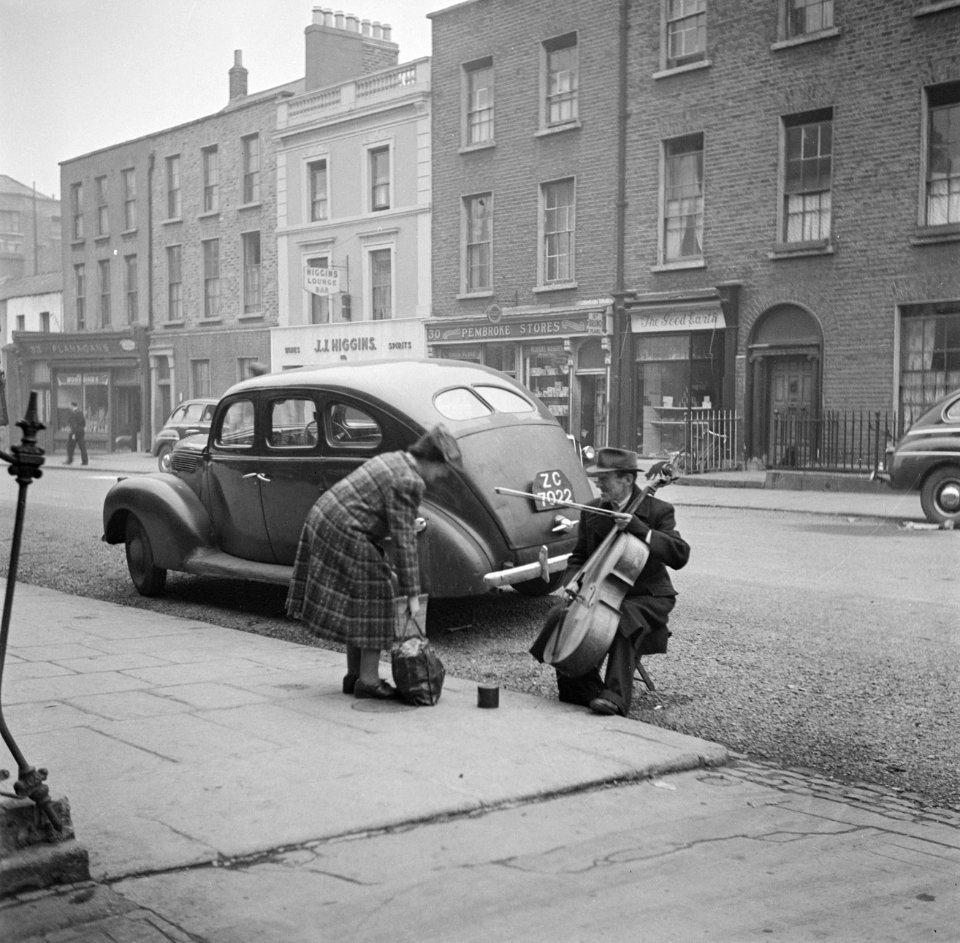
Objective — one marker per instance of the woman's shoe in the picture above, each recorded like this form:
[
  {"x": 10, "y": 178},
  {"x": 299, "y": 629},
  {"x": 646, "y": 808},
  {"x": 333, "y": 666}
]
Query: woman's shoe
[
  {"x": 349, "y": 683},
  {"x": 381, "y": 691}
]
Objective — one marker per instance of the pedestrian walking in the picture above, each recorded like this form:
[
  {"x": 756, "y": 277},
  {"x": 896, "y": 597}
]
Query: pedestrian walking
[
  {"x": 647, "y": 604},
  {"x": 77, "y": 437},
  {"x": 343, "y": 587}
]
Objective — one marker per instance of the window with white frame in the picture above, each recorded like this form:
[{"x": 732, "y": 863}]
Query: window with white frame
[
  {"x": 319, "y": 190},
  {"x": 252, "y": 300},
  {"x": 103, "y": 267},
  {"x": 943, "y": 155},
  {"x": 381, "y": 284},
  {"x": 130, "y": 287},
  {"x": 211, "y": 278},
  {"x": 561, "y": 70},
  {"x": 320, "y": 307},
  {"x": 103, "y": 209},
  {"x": 250, "y": 155},
  {"x": 807, "y": 173},
  {"x": 478, "y": 95},
  {"x": 478, "y": 242},
  {"x": 174, "y": 283},
  {"x": 557, "y": 227},
  {"x": 804, "y": 17},
  {"x": 128, "y": 184},
  {"x": 379, "y": 168},
  {"x": 76, "y": 209},
  {"x": 685, "y": 32},
  {"x": 174, "y": 204},
  {"x": 80, "y": 290},
  {"x": 682, "y": 222},
  {"x": 210, "y": 168}
]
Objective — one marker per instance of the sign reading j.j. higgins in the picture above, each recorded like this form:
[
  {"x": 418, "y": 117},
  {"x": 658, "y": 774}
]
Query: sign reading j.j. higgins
[{"x": 309, "y": 344}]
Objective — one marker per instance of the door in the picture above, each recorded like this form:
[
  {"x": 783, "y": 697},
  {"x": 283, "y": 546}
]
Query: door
[
  {"x": 790, "y": 410},
  {"x": 593, "y": 410}
]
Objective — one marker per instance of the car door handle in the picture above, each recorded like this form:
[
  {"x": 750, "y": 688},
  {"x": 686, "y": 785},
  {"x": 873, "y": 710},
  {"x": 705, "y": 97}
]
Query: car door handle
[{"x": 258, "y": 475}]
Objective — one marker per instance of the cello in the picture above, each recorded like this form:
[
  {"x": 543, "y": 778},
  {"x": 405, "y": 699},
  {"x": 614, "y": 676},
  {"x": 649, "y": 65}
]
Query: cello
[{"x": 578, "y": 634}]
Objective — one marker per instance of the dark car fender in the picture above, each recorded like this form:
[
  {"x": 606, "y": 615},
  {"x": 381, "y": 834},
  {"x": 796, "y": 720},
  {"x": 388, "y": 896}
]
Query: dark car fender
[
  {"x": 452, "y": 554},
  {"x": 176, "y": 522}
]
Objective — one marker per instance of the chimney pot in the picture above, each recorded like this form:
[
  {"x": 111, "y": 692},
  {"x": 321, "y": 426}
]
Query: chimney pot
[
  {"x": 386, "y": 32},
  {"x": 238, "y": 76},
  {"x": 365, "y": 27},
  {"x": 338, "y": 17},
  {"x": 377, "y": 31},
  {"x": 353, "y": 23}
]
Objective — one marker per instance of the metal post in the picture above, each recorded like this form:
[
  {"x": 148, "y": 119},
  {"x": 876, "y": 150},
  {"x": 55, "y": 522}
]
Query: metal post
[{"x": 25, "y": 466}]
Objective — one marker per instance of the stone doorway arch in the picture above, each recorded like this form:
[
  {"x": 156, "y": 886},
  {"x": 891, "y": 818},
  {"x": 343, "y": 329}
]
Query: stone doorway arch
[{"x": 784, "y": 357}]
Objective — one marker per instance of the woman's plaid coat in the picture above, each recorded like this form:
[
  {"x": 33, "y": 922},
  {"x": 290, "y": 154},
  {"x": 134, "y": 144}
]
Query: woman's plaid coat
[{"x": 342, "y": 586}]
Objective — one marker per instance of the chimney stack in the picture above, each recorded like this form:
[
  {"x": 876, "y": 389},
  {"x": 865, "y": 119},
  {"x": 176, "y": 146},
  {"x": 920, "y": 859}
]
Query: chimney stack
[{"x": 238, "y": 77}]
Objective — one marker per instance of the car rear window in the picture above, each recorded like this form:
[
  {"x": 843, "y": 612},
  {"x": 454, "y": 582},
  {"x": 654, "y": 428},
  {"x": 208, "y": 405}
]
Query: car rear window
[{"x": 461, "y": 402}]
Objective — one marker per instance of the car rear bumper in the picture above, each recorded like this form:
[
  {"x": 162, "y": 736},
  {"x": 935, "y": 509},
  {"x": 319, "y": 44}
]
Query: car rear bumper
[{"x": 543, "y": 568}]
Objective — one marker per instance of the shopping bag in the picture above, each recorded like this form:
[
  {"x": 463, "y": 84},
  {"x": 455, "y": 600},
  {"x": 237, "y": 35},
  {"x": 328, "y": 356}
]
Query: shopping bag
[{"x": 418, "y": 672}]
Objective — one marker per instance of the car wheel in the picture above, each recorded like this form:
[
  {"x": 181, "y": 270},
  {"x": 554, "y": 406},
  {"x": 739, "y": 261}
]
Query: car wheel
[
  {"x": 165, "y": 458},
  {"x": 940, "y": 495},
  {"x": 147, "y": 577},
  {"x": 537, "y": 587}
]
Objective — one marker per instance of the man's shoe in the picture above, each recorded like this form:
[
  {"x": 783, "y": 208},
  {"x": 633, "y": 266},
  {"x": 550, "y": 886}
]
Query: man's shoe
[
  {"x": 600, "y": 705},
  {"x": 380, "y": 691},
  {"x": 349, "y": 683}
]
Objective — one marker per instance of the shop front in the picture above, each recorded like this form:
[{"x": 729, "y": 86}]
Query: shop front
[
  {"x": 682, "y": 356},
  {"x": 314, "y": 344},
  {"x": 102, "y": 374},
  {"x": 564, "y": 358}
]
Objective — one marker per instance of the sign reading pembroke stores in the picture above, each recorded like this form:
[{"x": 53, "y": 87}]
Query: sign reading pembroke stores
[{"x": 321, "y": 281}]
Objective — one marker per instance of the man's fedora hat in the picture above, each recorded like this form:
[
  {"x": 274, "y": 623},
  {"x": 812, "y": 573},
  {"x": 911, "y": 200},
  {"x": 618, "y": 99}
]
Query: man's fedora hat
[{"x": 613, "y": 460}]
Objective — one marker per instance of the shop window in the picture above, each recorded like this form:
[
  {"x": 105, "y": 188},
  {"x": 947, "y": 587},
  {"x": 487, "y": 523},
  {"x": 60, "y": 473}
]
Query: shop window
[
  {"x": 502, "y": 357},
  {"x": 548, "y": 377},
  {"x": 678, "y": 381},
  {"x": 478, "y": 102}
]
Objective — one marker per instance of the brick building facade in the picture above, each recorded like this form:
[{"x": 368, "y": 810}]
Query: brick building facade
[
  {"x": 29, "y": 230},
  {"x": 765, "y": 205}
]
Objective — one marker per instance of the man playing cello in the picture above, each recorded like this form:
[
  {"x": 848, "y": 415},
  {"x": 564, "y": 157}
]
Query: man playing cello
[{"x": 646, "y": 605}]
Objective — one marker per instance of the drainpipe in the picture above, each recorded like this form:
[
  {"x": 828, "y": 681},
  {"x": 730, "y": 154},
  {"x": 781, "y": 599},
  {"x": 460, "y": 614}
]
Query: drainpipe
[
  {"x": 618, "y": 384},
  {"x": 146, "y": 404}
]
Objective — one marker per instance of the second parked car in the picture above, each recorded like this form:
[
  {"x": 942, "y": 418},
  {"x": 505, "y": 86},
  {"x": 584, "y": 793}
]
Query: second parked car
[{"x": 189, "y": 418}]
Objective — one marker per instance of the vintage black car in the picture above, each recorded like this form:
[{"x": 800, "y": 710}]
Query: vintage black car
[
  {"x": 234, "y": 502},
  {"x": 927, "y": 458},
  {"x": 189, "y": 418}
]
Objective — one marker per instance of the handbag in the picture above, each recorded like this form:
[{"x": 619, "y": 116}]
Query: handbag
[{"x": 418, "y": 672}]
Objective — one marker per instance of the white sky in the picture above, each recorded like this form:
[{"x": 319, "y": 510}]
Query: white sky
[{"x": 79, "y": 75}]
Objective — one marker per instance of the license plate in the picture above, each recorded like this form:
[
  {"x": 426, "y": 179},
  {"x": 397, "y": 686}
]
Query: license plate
[{"x": 552, "y": 488}]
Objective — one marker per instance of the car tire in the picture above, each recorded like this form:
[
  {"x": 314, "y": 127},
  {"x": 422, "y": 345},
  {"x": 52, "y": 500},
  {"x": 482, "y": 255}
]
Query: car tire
[
  {"x": 940, "y": 495},
  {"x": 148, "y": 578},
  {"x": 537, "y": 587},
  {"x": 165, "y": 458}
]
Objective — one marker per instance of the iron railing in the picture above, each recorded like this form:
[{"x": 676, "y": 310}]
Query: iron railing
[
  {"x": 836, "y": 440},
  {"x": 711, "y": 441}
]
